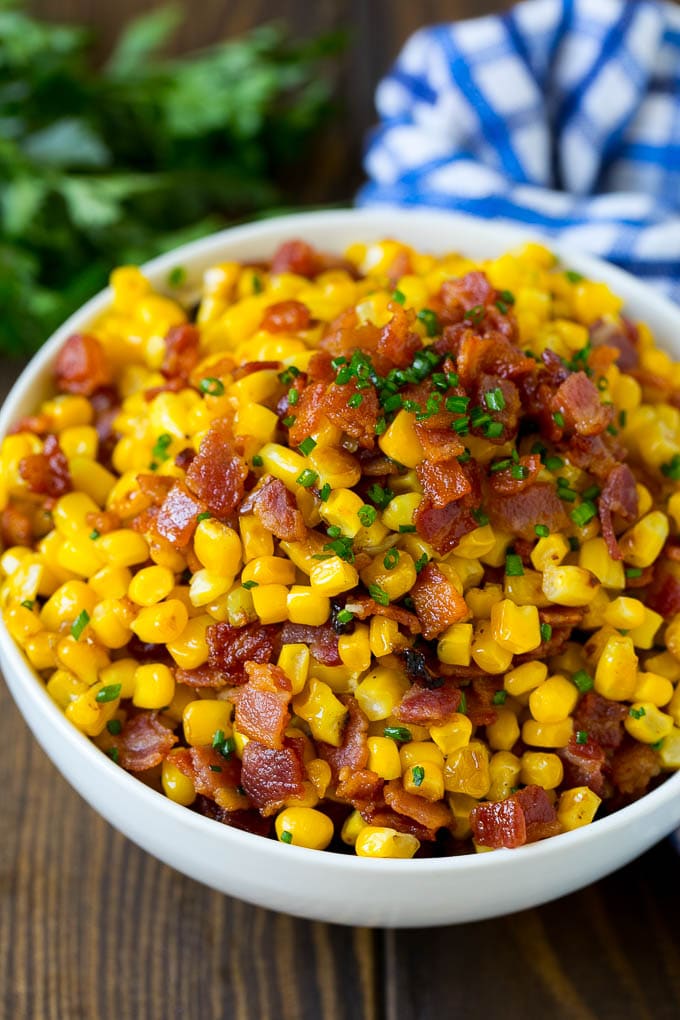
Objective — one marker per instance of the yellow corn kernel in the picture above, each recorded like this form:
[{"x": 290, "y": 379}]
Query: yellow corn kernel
[
  {"x": 380, "y": 692},
  {"x": 111, "y": 582},
  {"x": 162, "y": 623},
  {"x": 664, "y": 664},
  {"x": 355, "y": 649},
  {"x": 461, "y": 805},
  {"x": 203, "y": 718},
  {"x": 340, "y": 679},
  {"x": 111, "y": 622},
  {"x": 176, "y": 785},
  {"x": 486, "y": 652},
  {"x": 81, "y": 658},
  {"x": 452, "y": 734},
  {"x": 645, "y": 501},
  {"x": 183, "y": 695},
  {"x": 503, "y": 734},
  {"x": 455, "y": 645},
  {"x": 282, "y": 463},
  {"x": 304, "y": 826},
  {"x": 332, "y": 576},
  {"x": 383, "y": 757},
  {"x": 417, "y": 752},
  {"x": 121, "y": 672},
  {"x": 504, "y": 769},
  {"x": 595, "y": 557},
  {"x": 425, "y": 780},
  {"x": 400, "y": 510},
  {"x": 257, "y": 421},
  {"x": 67, "y": 602},
  {"x": 467, "y": 770},
  {"x": 527, "y": 589},
  {"x": 123, "y": 548},
  {"x": 642, "y": 543},
  {"x": 550, "y": 551},
  {"x": 154, "y": 686},
  {"x": 542, "y": 734},
  {"x": 270, "y": 602},
  {"x": 325, "y": 715},
  {"x": 670, "y": 750},
  {"x": 151, "y": 585},
  {"x": 482, "y": 600},
  {"x": 673, "y": 707},
  {"x": 22, "y": 623},
  {"x": 341, "y": 510},
  {"x": 525, "y": 678},
  {"x": 380, "y": 841},
  {"x": 643, "y": 636},
  {"x": 553, "y": 700},
  {"x": 70, "y": 513},
  {"x": 63, "y": 687},
  {"x": 400, "y": 442},
  {"x": 89, "y": 715},
  {"x": 335, "y": 467},
  {"x": 294, "y": 661},
  {"x": 206, "y": 587},
  {"x": 79, "y": 441},
  {"x": 351, "y": 828},
  {"x": 516, "y": 628},
  {"x": 654, "y": 688},
  {"x": 68, "y": 410},
  {"x": 476, "y": 543},
  {"x": 190, "y": 649},
  {"x": 218, "y": 547},
  {"x": 616, "y": 671},
  {"x": 40, "y": 650},
  {"x": 625, "y": 613},
  {"x": 646, "y": 723},
  {"x": 268, "y": 570},
  {"x": 79, "y": 554},
  {"x": 540, "y": 768},
  {"x": 495, "y": 557},
  {"x": 256, "y": 540},
  {"x": 577, "y": 807},
  {"x": 569, "y": 586},
  {"x": 385, "y": 636},
  {"x": 92, "y": 478},
  {"x": 307, "y": 606}
]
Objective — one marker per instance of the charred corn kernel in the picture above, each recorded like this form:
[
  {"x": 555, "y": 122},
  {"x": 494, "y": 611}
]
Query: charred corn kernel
[
  {"x": 569, "y": 586},
  {"x": 417, "y": 752},
  {"x": 63, "y": 687},
  {"x": 341, "y": 510},
  {"x": 467, "y": 770},
  {"x": 162, "y": 623},
  {"x": 669, "y": 751},
  {"x": 79, "y": 441},
  {"x": 553, "y": 700},
  {"x": 647, "y": 723},
  {"x": 380, "y": 692},
  {"x": 257, "y": 421},
  {"x": 268, "y": 570},
  {"x": 454, "y": 733},
  {"x": 206, "y": 587},
  {"x": 111, "y": 622},
  {"x": 385, "y": 636},
  {"x": 504, "y": 769},
  {"x": 335, "y": 467},
  {"x": 549, "y": 551},
  {"x": 218, "y": 547},
  {"x": 666, "y": 665},
  {"x": 111, "y": 582},
  {"x": 383, "y": 757},
  {"x": 176, "y": 785},
  {"x": 319, "y": 707},
  {"x": 67, "y": 602},
  {"x": 516, "y": 628},
  {"x": 616, "y": 671},
  {"x": 642, "y": 543},
  {"x": 455, "y": 645},
  {"x": 476, "y": 543},
  {"x": 399, "y": 441},
  {"x": 89, "y": 715},
  {"x": 92, "y": 478},
  {"x": 122, "y": 672},
  {"x": 304, "y": 826},
  {"x": 654, "y": 688},
  {"x": 40, "y": 650},
  {"x": 540, "y": 768},
  {"x": 543, "y": 734},
  {"x": 307, "y": 606},
  {"x": 271, "y": 603},
  {"x": 123, "y": 548},
  {"x": 70, "y": 513},
  {"x": 461, "y": 805},
  {"x": 379, "y": 841},
  {"x": 399, "y": 511},
  {"x": 355, "y": 649},
  {"x": 331, "y": 577},
  {"x": 503, "y": 733},
  {"x": 351, "y": 828},
  {"x": 190, "y": 649},
  {"x": 643, "y": 636},
  {"x": 525, "y": 678},
  {"x": 527, "y": 589},
  {"x": 486, "y": 652},
  {"x": 22, "y": 623},
  {"x": 256, "y": 540},
  {"x": 154, "y": 686},
  {"x": 151, "y": 585},
  {"x": 294, "y": 661},
  {"x": 594, "y": 556},
  {"x": 424, "y": 780},
  {"x": 319, "y": 772},
  {"x": 284, "y": 464},
  {"x": 577, "y": 807},
  {"x": 202, "y": 719}
]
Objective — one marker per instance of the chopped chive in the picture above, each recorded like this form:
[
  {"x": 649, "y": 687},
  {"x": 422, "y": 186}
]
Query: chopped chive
[
  {"x": 500, "y": 697},
  {"x": 493, "y": 429},
  {"x": 212, "y": 386},
  {"x": 494, "y": 399},
  {"x": 344, "y": 616},
  {"x": 307, "y": 445},
  {"x": 421, "y": 562},
  {"x": 541, "y": 530},
  {"x": 367, "y": 515},
  {"x": 554, "y": 463},
  {"x": 286, "y": 837},
  {"x": 249, "y": 584},
  {"x": 457, "y": 405},
  {"x": 160, "y": 449},
  {"x": 392, "y": 403},
  {"x": 407, "y": 528},
  {"x": 633, "y": 572},
  {"x": 293, "y": 396},
  {"x": 334, "y": 531},
  {"x": 475, "y": 314},
  {"x": 80, "y": 623},
  {"x": 461, "y": 426},
  {"x": 380, "y": 426},
  {"x": 519, "y": 472},
  {"x": 356, "y": 400},
  {"x": 513, "y": 565},
  {"x": 108, "y": 693},
  {"x": 546, "y": 632},
  {"x": 429, "y": 320},
  {"x": 574, "y": 543},
  {"x": 623, "y": 418},
  {"x": 204, "y": 516},
  {"x": 399, "y": 296},
  {"x": 307, "y": 478},
  {"x": 464, "y": 457},
  {"x": 257, "y": 461},
  {"x": 28, "y": 604},
  {"x": 324, "y": 492},
  {"x": 507, "y": 296},
  {"x": 381, "y": 497},
  {"x": 580, "y": 515},
  {"x": 592, "y": 492},
  {"x": 215, "y": 768},
  {"x": 378, "y": 594},
  {"x": 462, "y": 708},
  {"x": 342, "y": 547},
  {"x": 390, "y": 559},
  {"x": 397, "y": 733},
  {"x": 567, "y": 494},
  {"x": 573, "y": 276},
  {"x": 582, "y": 680},
  {"x": 558, "y": 418},
  {"x": 114, "y": 726},
  {"x": 257, "y": 283},
  {"x": 500, "y": 465},
  {"x": 581, "y": 736},
  {"x": 672, "y": 468},
  {"x": 113, "y": 754},
  {"x": 480, "y": 517},
  {"x": 418, "y": 774},
  {"x": 636, "y": 713},
  {"x": 657, "y": 745},
  {"x": 177, "y": 276},
  {"x": 94, "y": 534},
  {"x": 288, "y": 421}
]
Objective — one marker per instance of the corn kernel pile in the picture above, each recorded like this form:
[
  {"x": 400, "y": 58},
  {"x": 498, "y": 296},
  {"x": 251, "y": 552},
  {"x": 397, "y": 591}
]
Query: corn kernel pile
[{"x": 344, "y": 668}]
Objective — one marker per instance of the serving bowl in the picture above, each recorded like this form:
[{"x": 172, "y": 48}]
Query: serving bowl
[{"x": 312, "y": 884}]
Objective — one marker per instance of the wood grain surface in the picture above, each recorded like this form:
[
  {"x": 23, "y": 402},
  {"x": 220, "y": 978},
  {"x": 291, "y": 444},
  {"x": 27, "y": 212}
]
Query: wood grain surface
[{"x": 92, "y": 928}]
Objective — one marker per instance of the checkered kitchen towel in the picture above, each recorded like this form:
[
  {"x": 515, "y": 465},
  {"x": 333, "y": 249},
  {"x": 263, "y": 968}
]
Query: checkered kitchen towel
[{"x": 559, "y": 114}]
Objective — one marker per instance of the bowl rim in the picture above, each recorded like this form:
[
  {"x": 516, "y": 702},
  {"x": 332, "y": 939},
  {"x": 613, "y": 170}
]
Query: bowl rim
[{"x": 499, "y": 235}]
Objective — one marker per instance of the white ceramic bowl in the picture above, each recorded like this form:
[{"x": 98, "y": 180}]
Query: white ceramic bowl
[{"x": 311, "y": 884}]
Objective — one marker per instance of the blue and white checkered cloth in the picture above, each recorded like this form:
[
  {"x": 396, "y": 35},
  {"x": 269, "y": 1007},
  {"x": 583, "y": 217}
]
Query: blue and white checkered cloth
[{"x": 560, "y": 114}]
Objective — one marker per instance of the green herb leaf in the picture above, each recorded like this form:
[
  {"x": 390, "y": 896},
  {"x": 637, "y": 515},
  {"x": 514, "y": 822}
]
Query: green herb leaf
[
  {"x": 400, "y": 733},
  {"x": 582, "y": 680},
  {"x": 307, "y": 445},
  {"x": 108, "y": 693},
  {"x": 378, "y": 594},
  {"x": 513, "y": 565},
  {"x": 367, "y": 515},
  {"x": 80, "y": 623},
  {"x": 418, "y": 775},
  {"x": 286, "y": 837}
]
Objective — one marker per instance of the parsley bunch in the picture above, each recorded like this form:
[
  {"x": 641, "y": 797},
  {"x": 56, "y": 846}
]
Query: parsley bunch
[{"x": 102, "y": 166}]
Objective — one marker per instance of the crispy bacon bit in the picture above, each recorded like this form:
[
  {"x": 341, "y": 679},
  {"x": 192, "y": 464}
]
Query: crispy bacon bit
[
  {"x": 583, "y": 764},
  {"x": 277, "y": 510},
  {"x": 601, "y": 719},
  {"x": 664, "y": 595},
  {"x": 476, "y": 356},
  {"x": 302, "y": 259},
  {"x": 181, "y": 352},
  {"x": 353, "y": 751},
  {"x": 217, "y": 473},
  {"x": 431, "y": 815},
  {"x": 271, "y": 776},
  {"x": 38, "y": 424},
  {"x": 577, "y": 399},
  {"x": 445, "y": 482},
  {"x": 519, "y": 513},
  {"x": 426, "y": 706},
  {"x": 360, "y": 787},
  {"x": 208, "y": 770},
  {"x": 201, "y": 676},
  {"x": 362, "y": 607},
  {"x": 480, "y": 695},
  {"x": 521, "y": 818},
  {"x": 623, "y": 338},
  {"x": 178, "y": 516},
  {"x": 15, "y": 527},
  {"x": 439, "y": 444},
  {"x": 82, "y": 366},
  {"x": 438, "y": 604},
  {"x": 633, "y": 766},
  {"x": 232, "y": 647},
  {"x": 262, "y": 711},
  {"x": 619, "y": 496},
  {"x": 103, "y": 521},
  {"x": 47, "y": 473},
  {"x": 322, "y": 641},
  {"x": 444, "y": 527},
  {"x": 380, "y": 814},
  {"x": 561, "y": 616},
  {"x": 507, "y": 482},
  {"x": 143, "y": 742},
  {"x": 398, "y": 343},
  {"x": 246, "y": 820},
  {"x": 156, "y": 487},
  {"x": 286, "y": 317}
]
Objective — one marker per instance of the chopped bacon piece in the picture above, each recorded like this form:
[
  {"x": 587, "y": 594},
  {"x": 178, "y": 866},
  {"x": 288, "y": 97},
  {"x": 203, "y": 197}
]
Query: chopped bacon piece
[
  {"x": 619, "y": 496},
  {"x": 103, "y": 521},
  {"x": 82, "y": 366},
  {"x": 181, "y": 352},
  {"x": 247, "y": 820},
  {"x": 360, "y": 787},
  {"x": 583, "y": 764},
  {"x": 201, "y": 676},
  {"x": 379, "y": 814},
  {"x": 438, "y": 604},
  {"x": 519, "y": 513},
  {"x": 427, "y": 706},
  {"x": 271, "y": 776},
  {"x": 156, "y": 487},
  {"x": 208, "y": 770},
  {"x": 15, "y": 527},
  {"x": 301, "y": 258},
  {"x": 664, "y": 595},
  {"x": 322, "y": 641},
  {"x": 439, "y": 444},
  {"x": 476, "y": 356},
  {"x": 431, "y": 815},
  {"x": 178, "y": 516},
  {"x": 286, "y": 317},
  {"x": 601, "y": 719},
  {"x": 398, "y": 343},
  {"x": 445, "y": 482},
  {"x": 232, "y": 647},
  {"x": 217, "y": 473},
  {"x": 362, "y": 607},
  {"x": 597, "y": 454},
  {"x": 623, "y": 338},
  {"x": 561, "y": 616},
  {"x": 632, "y": 767},
  {"x": 143, "y": 742},
  {"x": 38, "y": 424},
  {"x": 353, "y": 751},
  {"x": 539, "y": 813},
  {"x": 521, "y": 818},
  {"x": 262, "y": 711},
  {"x": 47, "y": 473},
  {"x": 508, "y": 415},
  {"x": 332, "y": 401},
  {"x": 480, "y": 695},
  {"x": 444, "y": 527},
  {"x": 277, "y": 511},
  {"x": 505, "y": 482},
  {"x": 578, "y": 400}
]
